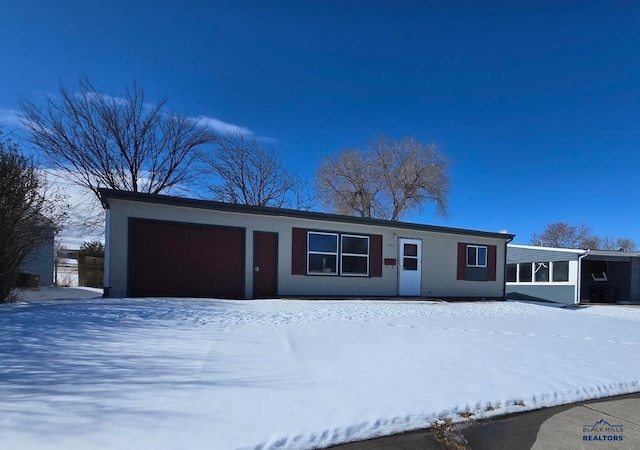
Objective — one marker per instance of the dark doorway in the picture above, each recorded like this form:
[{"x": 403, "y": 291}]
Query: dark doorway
[
  {"x": 606, "y": 281},
  {"x": 265, "y": 264}
]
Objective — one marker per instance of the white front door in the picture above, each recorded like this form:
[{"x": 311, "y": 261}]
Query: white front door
[{"x": 410, "y": 267}]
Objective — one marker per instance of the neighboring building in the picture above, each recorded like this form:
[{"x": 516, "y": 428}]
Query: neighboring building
[
  {"x": 572, "y": 276},
  {"x": 168, "y": 246},
  {"x": 40, "y": 263}
]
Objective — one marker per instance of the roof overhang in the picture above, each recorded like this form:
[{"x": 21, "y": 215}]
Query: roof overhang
[
  {"x": 594, "y": 255},
  {"x": 107, "y": 194},
  {"x": 551, "y": 249},
  {"x": 605, "y": 255}
]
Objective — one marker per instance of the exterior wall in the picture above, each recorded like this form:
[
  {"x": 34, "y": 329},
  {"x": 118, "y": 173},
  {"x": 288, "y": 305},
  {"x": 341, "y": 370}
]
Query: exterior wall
[
  {"x": 565, "y": 292},
  {"x": 439, "y": 253},
  {"x": 517, "y": 254},
  {"x": 559, "y": 292},
  {"x": 439, "y": 267},
  {"x": 623, "y": 273},
  {"x": 40, "y": 262},
  {"x": 313, "y": 285}
]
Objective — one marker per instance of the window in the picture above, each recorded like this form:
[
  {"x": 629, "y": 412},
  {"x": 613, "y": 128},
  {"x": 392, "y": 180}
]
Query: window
[
  {"x": 541, "y": 272},
  {"x": 410, "y": 250},
  {"x": 525, "y": 273},
  {"x": 477, "y": 262},
  {"x": 561, "y": 271},
  {"x": 322, "y": 253},
  {"x": 326, "y": 257},
  {"x": 354, "y": 255},
  {"x": 476, "y": 256},
  {"x": 538, "y": 272},
  {"x": 410, "y": 257},
  {"x": 512, "y": 272}
]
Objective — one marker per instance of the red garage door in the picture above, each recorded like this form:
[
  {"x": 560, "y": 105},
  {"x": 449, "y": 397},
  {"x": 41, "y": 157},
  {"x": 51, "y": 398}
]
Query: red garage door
[{"x": 171, "y": 259}]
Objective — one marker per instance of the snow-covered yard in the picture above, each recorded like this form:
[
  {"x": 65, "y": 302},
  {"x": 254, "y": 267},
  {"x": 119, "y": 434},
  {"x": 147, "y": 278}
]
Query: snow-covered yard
[{"x": 211, "y": 374}]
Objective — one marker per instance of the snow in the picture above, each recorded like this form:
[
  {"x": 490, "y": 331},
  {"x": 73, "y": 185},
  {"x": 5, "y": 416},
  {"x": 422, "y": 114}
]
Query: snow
[
  {"x": 57, "y": 292},
  {"x": 213, "y": 374}
]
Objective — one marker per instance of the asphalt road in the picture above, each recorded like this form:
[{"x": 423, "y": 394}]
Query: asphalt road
[{"x": 558, "y": 428}]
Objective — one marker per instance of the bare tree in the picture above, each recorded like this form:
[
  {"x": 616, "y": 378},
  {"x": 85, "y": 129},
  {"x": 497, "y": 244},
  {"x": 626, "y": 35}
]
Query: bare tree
[
  {"x": 626, "y": 245},
  {"x": 115, "y": 142},
  {"x": 386, "y": 180},
  {"x": 26, "y": 214},
  {"x": 344, "y": 184},
  {"x": 563, "y": 235},
  {"x": 249, "y": 174},
  {"x": 591, "y": 241},
  {"x": 612, "y": 243}
]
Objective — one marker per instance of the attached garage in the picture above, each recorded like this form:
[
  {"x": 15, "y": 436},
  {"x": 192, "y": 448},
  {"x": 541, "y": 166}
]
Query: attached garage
[{"x": 185, "y": 260}]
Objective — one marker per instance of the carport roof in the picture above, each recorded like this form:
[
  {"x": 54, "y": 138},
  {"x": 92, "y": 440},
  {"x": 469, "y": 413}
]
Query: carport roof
[
  {"x": 106, "y": 194},
  {"x": 588, "y": 254},
  {"x": 611, "y": 255}
]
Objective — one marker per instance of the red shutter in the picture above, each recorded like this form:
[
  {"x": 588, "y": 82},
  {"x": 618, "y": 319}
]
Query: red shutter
[
  {"x": 491, "y": 263},
  {"x": 298, "y": 251},
  {"x": 462, "y": 259},
  {"x": 375, "y": 258}
]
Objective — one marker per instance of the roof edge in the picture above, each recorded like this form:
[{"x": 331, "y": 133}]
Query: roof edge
[
  {"x": 577, "y": 250},
  {"x": 552, "y": 249},
  {"x": 106, "y": 194}
]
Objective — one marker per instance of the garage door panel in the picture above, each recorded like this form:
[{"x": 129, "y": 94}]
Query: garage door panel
[{"x": 186, "y": 260}]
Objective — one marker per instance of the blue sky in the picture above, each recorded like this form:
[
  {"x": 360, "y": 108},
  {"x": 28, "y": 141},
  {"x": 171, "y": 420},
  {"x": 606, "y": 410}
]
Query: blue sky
[{"x": 535, "y": 104}]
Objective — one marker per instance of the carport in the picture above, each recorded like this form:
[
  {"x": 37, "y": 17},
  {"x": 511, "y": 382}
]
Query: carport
[{"x": 609, "y": 277}]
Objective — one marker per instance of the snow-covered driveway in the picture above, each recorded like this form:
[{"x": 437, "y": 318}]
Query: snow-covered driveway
[{"x": 212, "y": 374}]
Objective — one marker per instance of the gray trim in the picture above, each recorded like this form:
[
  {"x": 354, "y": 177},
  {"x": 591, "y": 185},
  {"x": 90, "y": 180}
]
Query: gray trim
[
  {"x": 545, "y": 292},
  {"x": 106, "y": 194},
  {"x": 476, "y": 274},
  {"x": 504, "y": 268}
]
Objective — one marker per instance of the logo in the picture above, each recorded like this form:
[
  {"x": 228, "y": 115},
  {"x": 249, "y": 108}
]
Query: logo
[{"x": 602, "y": 431}]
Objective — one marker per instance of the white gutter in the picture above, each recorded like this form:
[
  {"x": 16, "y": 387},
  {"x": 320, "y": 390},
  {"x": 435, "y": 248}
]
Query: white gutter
[
  {"x": 504, "y": 266},
  {"x": 579, "y": 280}
]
